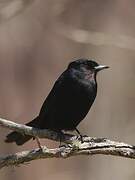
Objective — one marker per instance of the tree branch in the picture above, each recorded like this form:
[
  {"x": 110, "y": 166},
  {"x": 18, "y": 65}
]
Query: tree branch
[
  {"x": 89, "y": 146},
  {"x": 96, "y": 38},
  {"x": 35, "y": 132}
]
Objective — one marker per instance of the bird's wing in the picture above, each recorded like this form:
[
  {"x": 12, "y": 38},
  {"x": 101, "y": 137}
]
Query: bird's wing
[{"x": 54, "y": 96}]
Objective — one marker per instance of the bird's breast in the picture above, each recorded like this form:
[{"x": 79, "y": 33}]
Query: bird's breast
[{"x": 83, "y": 92}]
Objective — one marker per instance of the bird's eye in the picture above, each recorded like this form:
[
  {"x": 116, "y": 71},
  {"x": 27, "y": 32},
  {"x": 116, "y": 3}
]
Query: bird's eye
[{"x": 89, "y": 66}]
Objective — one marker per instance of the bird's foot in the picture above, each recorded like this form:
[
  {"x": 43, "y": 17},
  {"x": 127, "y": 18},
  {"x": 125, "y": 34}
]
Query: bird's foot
[
  {"x": 82, "y": 138},
  {"x": 65, "y": 146}
]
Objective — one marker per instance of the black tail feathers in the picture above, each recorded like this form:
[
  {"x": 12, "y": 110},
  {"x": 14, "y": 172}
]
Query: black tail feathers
[
  {"x": 16, "y": 137},
  {"x": 19, "y": 138}
]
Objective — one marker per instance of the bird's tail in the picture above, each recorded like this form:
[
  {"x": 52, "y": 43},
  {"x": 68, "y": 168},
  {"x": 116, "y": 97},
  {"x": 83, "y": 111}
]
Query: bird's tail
[{"x": 19, "y": 138}]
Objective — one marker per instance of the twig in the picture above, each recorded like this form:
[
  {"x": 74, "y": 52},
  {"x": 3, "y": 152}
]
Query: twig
[
  {"x": 96, "y": 38},
  {"x": 35, "y": 132},
  {"x": 90, "y": 146}
]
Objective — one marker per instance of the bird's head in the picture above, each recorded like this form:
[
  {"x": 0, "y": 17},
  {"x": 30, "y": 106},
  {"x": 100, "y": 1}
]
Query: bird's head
[{"x": 87, "y": 65}]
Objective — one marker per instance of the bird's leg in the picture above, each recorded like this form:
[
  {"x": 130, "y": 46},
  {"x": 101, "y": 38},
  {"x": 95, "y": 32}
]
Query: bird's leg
[
  {"x": 81, "y": 136},
  {"x": 38, "y": 142},
  {"x": 61, "y": 137}
]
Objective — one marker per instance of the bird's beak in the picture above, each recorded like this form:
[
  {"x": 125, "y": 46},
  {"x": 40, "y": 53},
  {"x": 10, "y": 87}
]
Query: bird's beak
[{"x": 100, "y": 67}]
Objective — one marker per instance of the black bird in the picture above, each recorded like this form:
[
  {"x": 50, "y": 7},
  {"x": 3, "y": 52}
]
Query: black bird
[{"x": 68, "y": 102}]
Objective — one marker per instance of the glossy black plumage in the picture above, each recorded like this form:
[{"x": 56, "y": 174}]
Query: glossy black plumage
[{"x": 69, "y": 100}]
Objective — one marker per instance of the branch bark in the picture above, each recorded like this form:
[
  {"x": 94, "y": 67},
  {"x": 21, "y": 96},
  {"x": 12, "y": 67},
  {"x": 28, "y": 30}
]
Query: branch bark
[{"x": 73, "y": 147}]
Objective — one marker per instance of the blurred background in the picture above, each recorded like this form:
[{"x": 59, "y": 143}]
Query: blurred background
[{"x": 37, "y": 41}]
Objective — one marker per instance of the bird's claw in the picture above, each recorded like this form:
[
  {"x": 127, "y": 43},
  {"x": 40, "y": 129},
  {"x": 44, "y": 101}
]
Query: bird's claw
[
  {"x": 80, "y": 138},
  {"x": 65, "y": 146}
]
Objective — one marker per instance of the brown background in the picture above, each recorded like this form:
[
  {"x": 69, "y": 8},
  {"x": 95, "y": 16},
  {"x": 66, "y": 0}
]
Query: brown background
[{"x": 36, "y": 46}]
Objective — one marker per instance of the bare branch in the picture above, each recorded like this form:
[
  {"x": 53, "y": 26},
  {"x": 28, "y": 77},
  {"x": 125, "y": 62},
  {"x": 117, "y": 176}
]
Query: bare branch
[
  {"x": 35, "y": 132},
  {"x": 90, "y": 146},
  {"x": 96, "y": 38}
]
